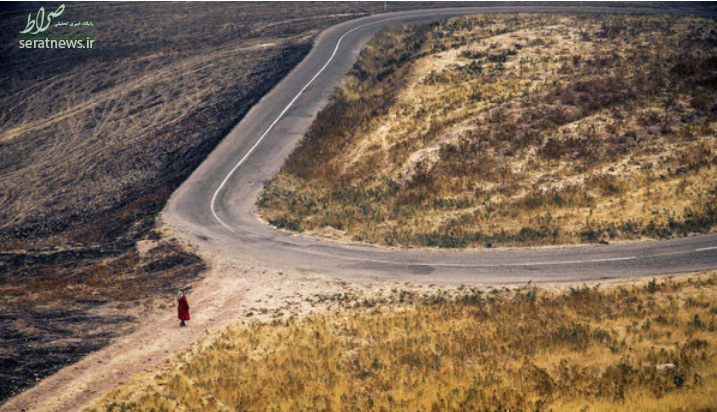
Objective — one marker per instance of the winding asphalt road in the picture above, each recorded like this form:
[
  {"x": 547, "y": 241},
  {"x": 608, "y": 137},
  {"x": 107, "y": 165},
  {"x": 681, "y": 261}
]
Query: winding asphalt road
[{"x": 215, "y": 208}]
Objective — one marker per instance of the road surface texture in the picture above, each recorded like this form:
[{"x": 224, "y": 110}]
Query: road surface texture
[{"x": 215, "y": 208}]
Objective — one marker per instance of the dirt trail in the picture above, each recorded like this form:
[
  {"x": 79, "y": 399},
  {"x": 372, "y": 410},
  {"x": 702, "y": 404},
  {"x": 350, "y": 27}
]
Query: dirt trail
[
  {"x": 230, "y": 293},
  {"x": 216, "y": 301}
]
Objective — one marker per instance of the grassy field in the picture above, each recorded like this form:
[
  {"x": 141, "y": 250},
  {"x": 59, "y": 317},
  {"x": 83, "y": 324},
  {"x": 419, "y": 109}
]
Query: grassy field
[
  {"x": 514, "y": 130},
  {"x": 648, "y": 347}
]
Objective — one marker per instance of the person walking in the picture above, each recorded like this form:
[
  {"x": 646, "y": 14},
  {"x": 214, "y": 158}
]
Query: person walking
[{"x": 182, "y": 307}]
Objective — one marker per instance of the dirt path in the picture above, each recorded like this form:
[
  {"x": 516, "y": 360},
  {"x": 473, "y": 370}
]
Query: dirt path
[
  {"x": 219, "y": 299},
  {"x": 230, "y": 293},
  {"x": 216, "y": 301}
]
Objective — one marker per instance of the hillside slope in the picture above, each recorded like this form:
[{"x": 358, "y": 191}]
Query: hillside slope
[{"x": 513, "y": 129}]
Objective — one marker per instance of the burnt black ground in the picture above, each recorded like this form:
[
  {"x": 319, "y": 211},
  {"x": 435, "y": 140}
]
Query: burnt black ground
[
  {"x": 39, "y": 341},
  {"x": 58, "y": 305}
]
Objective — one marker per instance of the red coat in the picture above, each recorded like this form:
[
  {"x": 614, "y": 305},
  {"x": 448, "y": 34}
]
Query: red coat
[{"x": 183, "y": 308}]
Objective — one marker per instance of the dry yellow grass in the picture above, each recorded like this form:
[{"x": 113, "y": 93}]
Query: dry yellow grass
[
  {"x": 630, "y": 348},
  {"x": 514, "y": 129}
]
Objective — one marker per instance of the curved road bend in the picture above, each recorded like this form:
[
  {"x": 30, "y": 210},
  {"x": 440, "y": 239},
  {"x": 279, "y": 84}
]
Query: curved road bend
[{"x": 214, "y": 208}]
